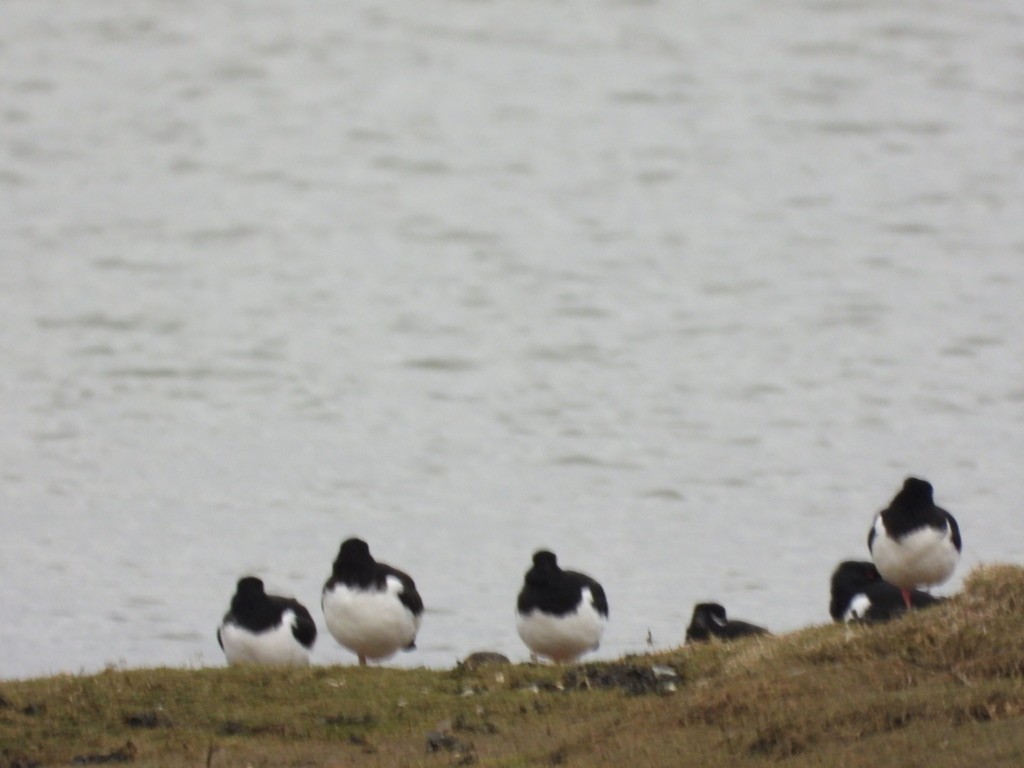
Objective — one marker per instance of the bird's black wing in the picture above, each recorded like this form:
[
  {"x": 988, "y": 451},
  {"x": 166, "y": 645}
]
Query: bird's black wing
[
  {"x": 409, "y": 596},
  {"x": 736, "y": 628},
  {"x": 303, "y": 628},
  {"x": 954, "y": 530},
  {"x": 871, "y": 534},
  {"x": 596, "y": 592}
]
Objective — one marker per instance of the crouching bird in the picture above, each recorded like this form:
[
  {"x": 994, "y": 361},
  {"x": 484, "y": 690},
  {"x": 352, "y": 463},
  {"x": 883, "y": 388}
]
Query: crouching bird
[
  {"x": 859, "y": 593},
  {"x": 265, "y": 629},
  {"x": 560, "y": 614},
  {"x": 709, "y": 620}
]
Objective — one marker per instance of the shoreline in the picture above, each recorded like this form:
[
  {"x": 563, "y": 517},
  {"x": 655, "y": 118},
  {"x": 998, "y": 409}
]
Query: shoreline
[{"x": 949, "y": 675}]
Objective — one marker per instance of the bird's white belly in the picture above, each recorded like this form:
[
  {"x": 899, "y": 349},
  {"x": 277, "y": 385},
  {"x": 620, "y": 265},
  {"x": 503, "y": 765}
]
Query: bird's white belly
[
  {"x": 562, "y": 638},
  {"x": 273, "y": 646},
  {"x": 858, "y": 608},
  {"x": 925, "y": 557},
  {"x": 370, "y": 623}
]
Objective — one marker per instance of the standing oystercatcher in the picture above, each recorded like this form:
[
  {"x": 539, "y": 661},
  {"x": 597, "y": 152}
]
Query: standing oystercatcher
[
  {"x": 913, "y": 542},
  {"x": 265, "y": 629},
  {"x": 560, "y": 614},
  {"x": 371, "y": 608}
]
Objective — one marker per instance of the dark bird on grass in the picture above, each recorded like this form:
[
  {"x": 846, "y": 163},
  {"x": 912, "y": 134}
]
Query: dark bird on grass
[
  {"x": 709, "y": 620},
  {"x": 859, "y": 593}
]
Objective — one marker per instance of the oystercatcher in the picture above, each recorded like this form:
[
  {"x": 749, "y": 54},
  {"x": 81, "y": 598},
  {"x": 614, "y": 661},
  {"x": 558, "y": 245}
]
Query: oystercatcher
[
  {"x": 859, "y": 593},
  {"x": 370, "y": 608},
  {"x": 709, "y": 620},
  {"x": 265, "y": 629},
  {"x": 913, "y": 542},
  {"x": 560, "y": 614}
]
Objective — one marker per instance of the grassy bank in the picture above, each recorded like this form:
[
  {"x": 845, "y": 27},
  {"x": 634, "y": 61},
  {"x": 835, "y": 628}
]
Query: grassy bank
[{"x": 943, "y": 687}]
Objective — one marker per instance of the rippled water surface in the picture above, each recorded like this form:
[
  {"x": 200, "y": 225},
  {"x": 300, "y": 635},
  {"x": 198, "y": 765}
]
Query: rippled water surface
[{"x": 680, "y": 290}]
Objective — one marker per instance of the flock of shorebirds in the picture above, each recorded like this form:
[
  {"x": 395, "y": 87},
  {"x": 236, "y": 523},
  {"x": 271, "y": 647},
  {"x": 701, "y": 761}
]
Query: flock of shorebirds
[{"x": 374, "y": 610}]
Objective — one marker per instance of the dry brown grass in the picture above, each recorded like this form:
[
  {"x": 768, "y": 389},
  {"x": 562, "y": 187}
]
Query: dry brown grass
[{"x": 942, "y": 687}]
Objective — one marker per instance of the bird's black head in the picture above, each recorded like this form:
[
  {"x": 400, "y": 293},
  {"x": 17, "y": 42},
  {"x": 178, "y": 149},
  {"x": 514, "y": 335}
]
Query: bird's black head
[
  {"x": 545, "y": 559},
  {"x": 354, "y": 564},
  {"x": 915, "y": 491},
  {"x": 545, "y": 570},
  {"x": 855, "y": 575},
  {"x": 249, "y": 596},
  {"x": 849, "y": 579},
  {"x": 706, "y": 619},
  {"x": 354, "y": 551},
  {"x": 708, "y": 613},
  {"x": 250, "y": 586}
]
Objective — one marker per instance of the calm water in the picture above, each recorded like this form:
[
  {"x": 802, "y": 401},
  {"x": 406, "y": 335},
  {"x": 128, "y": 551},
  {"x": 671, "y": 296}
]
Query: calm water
[{"x": 678, "y": 290}]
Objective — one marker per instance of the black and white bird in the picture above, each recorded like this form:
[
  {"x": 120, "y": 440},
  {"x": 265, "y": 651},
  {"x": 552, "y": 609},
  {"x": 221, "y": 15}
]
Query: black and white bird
[
  {"x": 709, "y": 620},
  {"x": 859, "y": 593},
  {"x": 913, "y": 542},
  {"x": 265, "y": 629},
  {"x": 560, "y": 614},
  {"x": 370, "y": 608}
]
